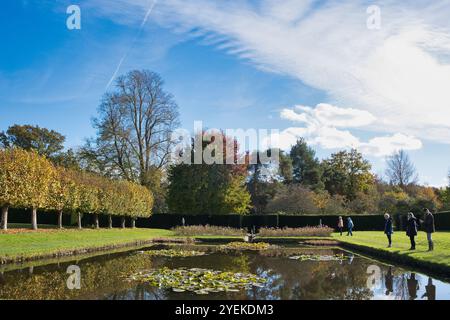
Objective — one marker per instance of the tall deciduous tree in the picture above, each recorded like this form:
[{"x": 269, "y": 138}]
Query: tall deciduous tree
[
  {"x": 209, "y": 188},
  {"x": 135, "y": 124},
  {"x": 400, "y": 170},
  {"x": 347, "y": 174}
]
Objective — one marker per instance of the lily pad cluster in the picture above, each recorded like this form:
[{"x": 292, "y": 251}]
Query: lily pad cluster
[
  {"x": 314, "y": 257},
  {"x": 174, "y": 253},
  {"x": 246, "y": 246},
  {"x": 200, "y": 281}
]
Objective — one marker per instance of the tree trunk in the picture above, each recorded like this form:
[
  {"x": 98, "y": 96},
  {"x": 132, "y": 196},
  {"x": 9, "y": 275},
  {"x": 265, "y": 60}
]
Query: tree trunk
[
  {"x": 5, "y": 218},
  {"x": 97, "y": 223},
  {"x": 123, "y": 222},
  {"x": 110, "y": 222},
  {"x": 60, "y": 217},
  {"x": 34, "y": 219},
  {"x": 133, "y": 223},
  {"x": 79, "y": 220}
]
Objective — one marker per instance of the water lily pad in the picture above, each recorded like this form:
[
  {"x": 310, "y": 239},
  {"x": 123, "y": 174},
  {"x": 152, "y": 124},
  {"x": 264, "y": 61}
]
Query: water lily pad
[
  {"x": 199, "y": 281},
  {"x": 174, "y": 253},
  {"x": 313, "y": 257},
  {"x": 245, "y": 246}
]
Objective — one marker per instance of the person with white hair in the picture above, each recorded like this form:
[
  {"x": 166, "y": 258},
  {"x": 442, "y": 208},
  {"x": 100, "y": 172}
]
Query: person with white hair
[
  {"x": 411, "y": 230},
  {"x": 388, "y": 228}
]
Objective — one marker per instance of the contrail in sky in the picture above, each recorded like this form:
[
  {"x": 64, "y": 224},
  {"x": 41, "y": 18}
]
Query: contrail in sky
[{"x": 138, "y": 34}]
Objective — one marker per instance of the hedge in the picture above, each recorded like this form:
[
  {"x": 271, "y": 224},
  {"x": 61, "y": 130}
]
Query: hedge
[{"x": 168, "y": 221}]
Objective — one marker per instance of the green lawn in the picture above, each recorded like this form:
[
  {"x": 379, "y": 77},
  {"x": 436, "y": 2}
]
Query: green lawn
[
  {"x": 20, "y": 246},
  {"x": 377, "y": 241}
]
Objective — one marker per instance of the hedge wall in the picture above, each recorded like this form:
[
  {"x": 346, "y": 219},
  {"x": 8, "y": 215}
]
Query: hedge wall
[{"x": 168, "y": 221}]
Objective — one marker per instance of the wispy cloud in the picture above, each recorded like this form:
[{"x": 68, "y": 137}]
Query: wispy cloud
[{"x": 400, "y": 73}]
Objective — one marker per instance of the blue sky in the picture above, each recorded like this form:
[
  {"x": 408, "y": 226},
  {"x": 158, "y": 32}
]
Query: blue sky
[{"x": 308, "y": 68}]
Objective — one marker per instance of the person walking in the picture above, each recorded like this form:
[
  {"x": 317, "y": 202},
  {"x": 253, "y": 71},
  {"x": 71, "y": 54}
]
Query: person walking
[
  {"x": 429, "y": 228},
  {"x": 350, "y": 226},
  {"x": 340, "y": 225},
  {"x": 411, "y": 230},
  {"x": 388, "y": 229}
]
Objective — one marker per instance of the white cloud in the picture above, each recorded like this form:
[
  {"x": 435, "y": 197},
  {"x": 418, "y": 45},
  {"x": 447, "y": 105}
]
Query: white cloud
[
  {"x": 399, "y": 73},
  {"x": 324, "y": 126},
  {"x": 328, "y": 115},
  {"x": 382, "y": 146}
]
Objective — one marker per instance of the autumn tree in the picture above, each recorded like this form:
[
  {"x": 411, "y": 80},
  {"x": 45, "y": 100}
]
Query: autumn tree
[
  {"x": 64, "y": 193},
  {"x": 210, "y": 188},
  {"x": 293, "y": 199},
  {"x": 347, "y": 173},
  {"x": 12, "y": 181}
]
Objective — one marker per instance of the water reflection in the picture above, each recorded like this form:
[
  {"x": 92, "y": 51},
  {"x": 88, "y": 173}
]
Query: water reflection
[{"x": 103, "y": 277}]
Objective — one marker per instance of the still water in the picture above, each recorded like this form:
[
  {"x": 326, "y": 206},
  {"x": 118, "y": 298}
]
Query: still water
[{"x": 103, "y": 277}]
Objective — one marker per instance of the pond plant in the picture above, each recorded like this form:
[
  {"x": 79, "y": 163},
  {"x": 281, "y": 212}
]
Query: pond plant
[
  {"x": 172, "y": 253},
  {"x": 257, "y": 246},
  {"x": 316, "y": 257},
  {"x": 197, "y": 280}
]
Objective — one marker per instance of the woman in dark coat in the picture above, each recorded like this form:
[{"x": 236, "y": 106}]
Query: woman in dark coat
[
  {"x": 388, "y": 230},
  {"x": 411, "y": 230}
]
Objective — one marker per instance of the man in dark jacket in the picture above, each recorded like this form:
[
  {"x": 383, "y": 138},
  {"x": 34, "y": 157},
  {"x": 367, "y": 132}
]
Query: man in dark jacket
[
  {"x": 428, "y": 225},
  {"x": 388, "y": 229},
  {"x": 411, "y": 230}
]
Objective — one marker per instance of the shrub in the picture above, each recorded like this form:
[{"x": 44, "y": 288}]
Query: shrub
[
  {"x": 208, "y": 231},
  {"x": 296, "y": 232}
]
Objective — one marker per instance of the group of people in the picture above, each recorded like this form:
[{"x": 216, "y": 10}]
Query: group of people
[
  {"x": 350, "y": 226},
  {"x": 412, "y": 227}
]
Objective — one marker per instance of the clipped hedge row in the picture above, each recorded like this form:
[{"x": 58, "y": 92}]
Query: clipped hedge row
[
  {"x": 28, "y": 180},
  {"x": 168, "y": 221}
]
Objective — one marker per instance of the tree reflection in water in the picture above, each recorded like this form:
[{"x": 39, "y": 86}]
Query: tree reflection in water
[{"x": 103, "y": 277}]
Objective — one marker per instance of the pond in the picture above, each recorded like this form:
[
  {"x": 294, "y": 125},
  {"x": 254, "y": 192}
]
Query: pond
[{"x": 330, "y": 273}]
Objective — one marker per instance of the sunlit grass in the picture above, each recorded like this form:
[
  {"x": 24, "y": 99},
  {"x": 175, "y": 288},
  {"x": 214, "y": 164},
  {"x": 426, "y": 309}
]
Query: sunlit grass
[
  {"x": 47, "y": 241},
  {"x": 401, "y": 245}
]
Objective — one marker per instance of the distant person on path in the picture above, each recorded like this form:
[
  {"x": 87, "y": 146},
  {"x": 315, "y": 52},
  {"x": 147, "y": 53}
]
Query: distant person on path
[
  {"x": 388, "y": 230},
  {"x": 429, "y": 228},
  {"x": 411, "y": 230},
  {"x": 340, "y": 225},
  {"x": 183, "y": 222},
  {"x": 350, "y": 226}
]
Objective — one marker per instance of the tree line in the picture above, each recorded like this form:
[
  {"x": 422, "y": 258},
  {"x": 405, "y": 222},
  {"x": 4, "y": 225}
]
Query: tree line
[
  {"x": 341, "y": 184},
  {"x": 135, "y": 122},
  {"x": 31, "y": 181}
]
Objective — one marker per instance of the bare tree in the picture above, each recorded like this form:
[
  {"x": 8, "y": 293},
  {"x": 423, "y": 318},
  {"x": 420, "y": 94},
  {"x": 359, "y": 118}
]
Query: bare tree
[
  {"x": 134, "y": 128},
  {"x": 400, "y": 170}
]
